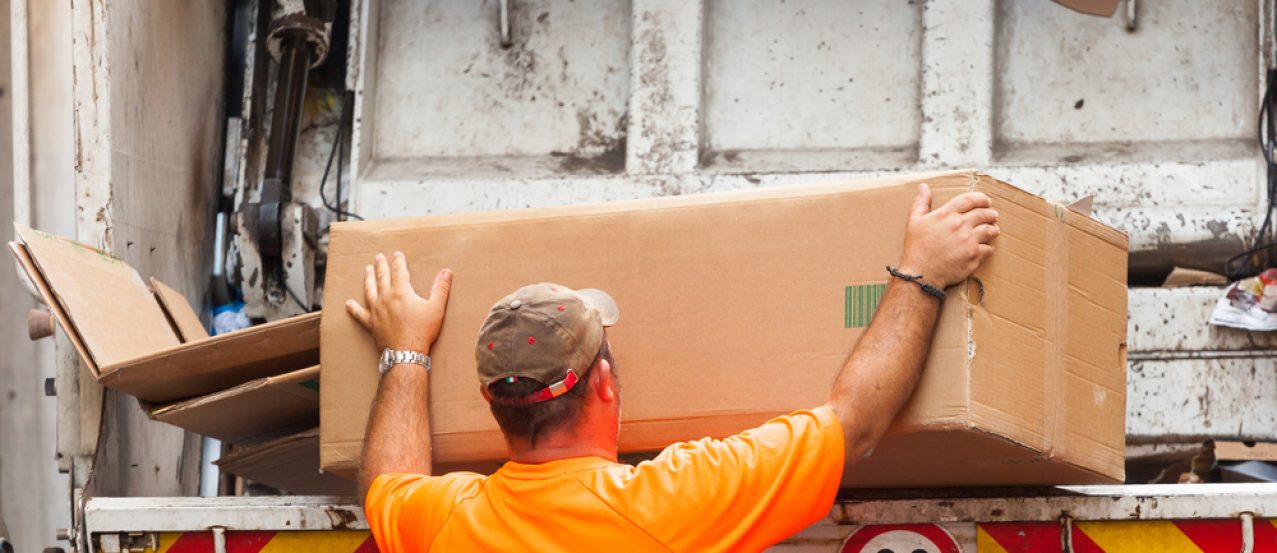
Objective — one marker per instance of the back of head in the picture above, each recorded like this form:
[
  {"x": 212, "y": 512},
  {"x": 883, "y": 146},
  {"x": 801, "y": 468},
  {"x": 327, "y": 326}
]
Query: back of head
[
  {"x": 529, "y": 421},
  {"x": 535, "y": 348}
]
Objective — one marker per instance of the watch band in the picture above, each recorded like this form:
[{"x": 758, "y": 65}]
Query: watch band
[{"x": 391, "y": 357}]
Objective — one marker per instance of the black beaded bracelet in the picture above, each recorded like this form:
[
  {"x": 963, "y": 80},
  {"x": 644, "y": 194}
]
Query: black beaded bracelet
[{"x": 917, "y": 279}]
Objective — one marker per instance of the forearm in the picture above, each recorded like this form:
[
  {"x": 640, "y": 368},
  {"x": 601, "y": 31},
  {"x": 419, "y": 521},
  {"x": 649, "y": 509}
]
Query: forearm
[
  {"x": 397, "y": 439},
  {"x": 884, "y": 366}
]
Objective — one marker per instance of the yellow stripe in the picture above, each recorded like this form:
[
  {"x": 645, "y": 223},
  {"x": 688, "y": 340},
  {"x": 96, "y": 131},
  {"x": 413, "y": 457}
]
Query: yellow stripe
[
  {"x": 1138, "y": 537},
  {"x": 329, "y": 541},
  {"x": 167, "y": 539},
  {"x": 984, "y": 543}
]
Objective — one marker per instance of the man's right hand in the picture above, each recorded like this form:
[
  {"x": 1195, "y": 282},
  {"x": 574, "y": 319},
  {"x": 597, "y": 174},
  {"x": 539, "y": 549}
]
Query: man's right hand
[
  {"x": 946, "y": 245},
  {"x": 396, "y": 315}
]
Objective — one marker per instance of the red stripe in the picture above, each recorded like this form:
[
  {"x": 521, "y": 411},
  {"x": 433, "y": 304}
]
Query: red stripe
[
  {"x": 236, "y": 542},
  {"x": 1036, "y": 537},
  {"x": 1083, "y": 543},
  {"x": 369, "y": 546},
  {"x": 1213, "y": 536},
  {"x": 1265, "y": 536},
  {"x": 1029, "y": 537}
]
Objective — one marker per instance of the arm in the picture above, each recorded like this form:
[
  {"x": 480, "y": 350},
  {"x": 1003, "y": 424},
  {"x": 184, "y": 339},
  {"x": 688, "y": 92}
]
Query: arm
[
  {"x": 945, "y": 246},
  {"x": 398, "y": 436}
]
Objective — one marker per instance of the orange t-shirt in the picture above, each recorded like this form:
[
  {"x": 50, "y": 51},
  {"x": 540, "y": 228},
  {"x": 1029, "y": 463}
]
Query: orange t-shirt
[{"x": 742, "y": 493}]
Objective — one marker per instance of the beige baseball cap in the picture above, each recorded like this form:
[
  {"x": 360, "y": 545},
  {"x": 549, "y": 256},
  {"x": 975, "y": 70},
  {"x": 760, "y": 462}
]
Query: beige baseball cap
[{"x": 547, "y": 332}]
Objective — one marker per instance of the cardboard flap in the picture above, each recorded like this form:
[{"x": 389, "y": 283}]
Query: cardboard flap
[
  {"x": 96, "y": 292},
  {"x": 215, "y": 364},
  {"x": 185, "y": 322},
  {"x": 259, "y": 410},
  {"x": 290, "y": 463},
  {"x": 59, "y": 315},
  {"x": 1102, "y": 8}
]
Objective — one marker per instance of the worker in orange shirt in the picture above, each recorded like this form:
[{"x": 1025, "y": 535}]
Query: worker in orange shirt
[{"x": 546, "y": 368}]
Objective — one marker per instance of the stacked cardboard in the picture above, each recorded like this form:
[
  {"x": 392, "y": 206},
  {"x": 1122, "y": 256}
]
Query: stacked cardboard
[
  {"x": 245, "y": 387},
  {"x": 738, "y": 307}
]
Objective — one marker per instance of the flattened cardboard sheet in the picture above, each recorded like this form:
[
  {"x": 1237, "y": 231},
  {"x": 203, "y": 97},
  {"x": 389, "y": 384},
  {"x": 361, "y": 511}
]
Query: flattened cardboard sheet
[
  {"x": 213, "y": 364},
  {"x": 290, "y": 463},
  {"x": 252, "y": 412},
  {"x": 97, "y": 293},
  {"x": 126, "y": 338},
  {"x": 59, "y": 315}
]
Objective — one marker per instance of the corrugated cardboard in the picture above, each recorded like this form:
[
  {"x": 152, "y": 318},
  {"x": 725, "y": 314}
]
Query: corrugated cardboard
[
  {"x": 97, "y": 292},
  {"x": 181, "y": 316},
  {"x": 290, "y": 463},
  {"x": 737, "y": 307},
  {"x": 252, "y": 412},
  {"x": 213, "y": 364},
  {"x": 124, "y": 335}
]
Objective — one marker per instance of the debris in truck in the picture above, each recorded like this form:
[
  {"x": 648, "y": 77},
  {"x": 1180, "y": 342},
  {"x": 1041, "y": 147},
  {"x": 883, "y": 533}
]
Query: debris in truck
[{"x": 1249, "y": 304}]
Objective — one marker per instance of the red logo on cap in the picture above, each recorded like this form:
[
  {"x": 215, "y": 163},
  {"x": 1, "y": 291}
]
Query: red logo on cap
[{"x": 532, "y": 340}]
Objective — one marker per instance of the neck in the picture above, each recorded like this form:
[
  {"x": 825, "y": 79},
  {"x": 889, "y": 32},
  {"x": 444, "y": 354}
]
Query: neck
[
  {"x": 540, "y": 454},
  {"x": 561, "y": 445}
]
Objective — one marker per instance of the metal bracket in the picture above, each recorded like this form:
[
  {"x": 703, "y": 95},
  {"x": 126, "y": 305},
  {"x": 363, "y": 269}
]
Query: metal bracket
[
  {"x": 132, "y": 542},
  {"x": 1248, "y": 532},
  {"x": 1066, "y": 533},
  {"x": 504, "y": 24}
]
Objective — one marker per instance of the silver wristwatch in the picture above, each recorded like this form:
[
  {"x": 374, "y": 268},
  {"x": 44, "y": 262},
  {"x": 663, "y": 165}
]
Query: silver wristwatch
[{"x": 391, "y": 357}]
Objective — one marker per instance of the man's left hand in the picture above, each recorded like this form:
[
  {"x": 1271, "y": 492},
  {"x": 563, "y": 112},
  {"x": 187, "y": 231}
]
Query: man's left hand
[{"x": 396, "y": 315}]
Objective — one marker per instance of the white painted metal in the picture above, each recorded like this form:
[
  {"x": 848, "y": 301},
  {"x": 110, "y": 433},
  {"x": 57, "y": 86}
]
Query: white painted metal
[
  {"x": 189, "y": 514},
  {"x": 1151, "y": 502},
  {"x": 21, "y": 114},
  {"x": 806, "y": 127},
  {"x": 148, "y": 123}
]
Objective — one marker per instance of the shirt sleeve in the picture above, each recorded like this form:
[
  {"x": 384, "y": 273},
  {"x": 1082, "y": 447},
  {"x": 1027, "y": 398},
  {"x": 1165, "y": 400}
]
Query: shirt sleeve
[
  {"x": 742, "y": 493},
  {"x": 406, "y": 511}
]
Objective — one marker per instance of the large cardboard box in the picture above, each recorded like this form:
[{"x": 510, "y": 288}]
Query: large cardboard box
[{"x": 741, "y": 306}]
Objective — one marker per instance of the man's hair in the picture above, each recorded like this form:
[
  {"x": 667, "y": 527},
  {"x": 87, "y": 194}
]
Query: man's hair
[{"x": 537, "y": 419}]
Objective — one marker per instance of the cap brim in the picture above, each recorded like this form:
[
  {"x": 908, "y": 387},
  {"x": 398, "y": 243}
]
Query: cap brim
[{"x": 603, "y": 303}]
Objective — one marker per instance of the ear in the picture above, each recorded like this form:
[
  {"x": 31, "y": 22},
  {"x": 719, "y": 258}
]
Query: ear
[{"x": 603, "y": 381}]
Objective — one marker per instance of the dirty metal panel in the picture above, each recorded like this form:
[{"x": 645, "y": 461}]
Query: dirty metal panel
[
  {"x": 148, "y": 124},
  {"x": 193, "y": 514},
  {"x": 806, "y": 86},
  {"x": 447, "y": 88},
  {"x": 1146, "y": 200},
  {"x": 1074, "y": 86},
  {"x": 1094, "y": 503},
  {"x": 1183, "y": 400},
  {"x": 1172, "y": 324}
]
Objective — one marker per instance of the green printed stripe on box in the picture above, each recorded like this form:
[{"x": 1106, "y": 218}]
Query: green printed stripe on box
[{"x": 860, "y": 302}]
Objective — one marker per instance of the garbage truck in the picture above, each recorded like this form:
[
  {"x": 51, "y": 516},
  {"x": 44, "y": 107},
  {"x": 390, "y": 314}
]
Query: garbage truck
[{"x": 212, "y": 144}]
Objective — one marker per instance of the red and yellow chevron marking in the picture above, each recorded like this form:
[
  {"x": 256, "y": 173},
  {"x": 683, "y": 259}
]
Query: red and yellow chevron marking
[
  {"x": 1157, "y": 536},
  {"x": 328, "y": 541}
]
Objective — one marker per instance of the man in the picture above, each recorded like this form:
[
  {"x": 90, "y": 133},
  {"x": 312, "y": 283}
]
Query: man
[{"x": 546, "y": 369}]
